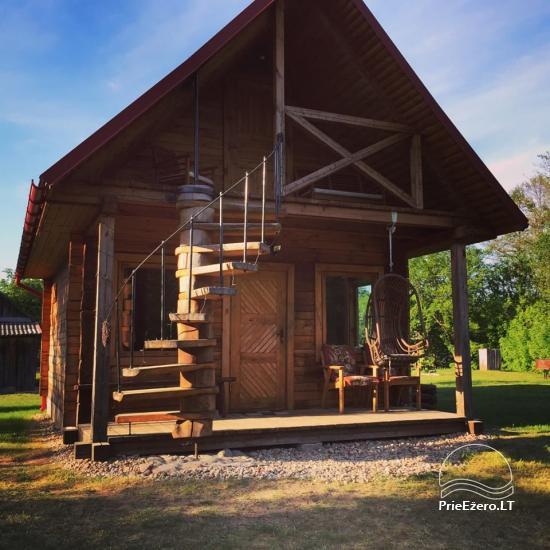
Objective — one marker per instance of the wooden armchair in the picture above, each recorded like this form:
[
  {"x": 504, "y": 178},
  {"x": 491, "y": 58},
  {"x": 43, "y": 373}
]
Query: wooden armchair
[
  {"x": 392, "y": 376},
  {"x": 342, "y": 371}
]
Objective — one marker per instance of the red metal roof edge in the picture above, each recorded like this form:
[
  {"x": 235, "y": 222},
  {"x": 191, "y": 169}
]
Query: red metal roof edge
[{"x": 457, "y": 136}]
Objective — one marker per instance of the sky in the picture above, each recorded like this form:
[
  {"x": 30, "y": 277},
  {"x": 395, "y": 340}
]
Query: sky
[{"x": 68, "y": 66}]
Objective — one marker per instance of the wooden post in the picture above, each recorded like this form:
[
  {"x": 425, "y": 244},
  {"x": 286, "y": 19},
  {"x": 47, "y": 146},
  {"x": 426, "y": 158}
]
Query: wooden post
[
  {"x": 464, "y": 405},
  {"x": 417, "y": 191},
  {"x": 104, "y": 298},
  {"x": 87, "y": 324},
  {"x": 72, "y": 358},
  {"x": 279, "y": 81}
]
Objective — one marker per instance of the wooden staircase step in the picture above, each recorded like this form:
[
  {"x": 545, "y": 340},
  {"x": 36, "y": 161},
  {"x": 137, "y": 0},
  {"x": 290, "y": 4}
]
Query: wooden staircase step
[
  {"x": 190, "y": 318},
  {"x": 228, "y": 268},
  {"x": 230, "y": 228},
  {"x": 234, "y": 204},
  {"x": 132, "y": 372},
  {"x": 229, "y": 249},
  {"x": 162, "y": 416},
  {"x": 175, "y": 391},
  {"x": 179, "y": 344},
  {"x": 209, "y": 293}
]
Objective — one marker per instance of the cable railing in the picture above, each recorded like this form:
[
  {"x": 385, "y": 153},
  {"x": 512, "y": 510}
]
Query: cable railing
[{"x": 276, "y": 154}]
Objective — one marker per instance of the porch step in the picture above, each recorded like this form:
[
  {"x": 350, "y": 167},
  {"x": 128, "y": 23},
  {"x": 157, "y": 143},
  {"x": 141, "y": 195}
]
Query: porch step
[
  {"x": 132, "y": 372},
  {"x": 209, "y": 293},
  {"x": 180, "y": 344},
  {"x": 162, "y": 416},
  {"x": 175, "y": 391},
  {"x": 228, "y": 268},
  {"x": 229, "y": 228},
  {"x": 190, "y": 318},
  {"x": 229, "y": 249}
]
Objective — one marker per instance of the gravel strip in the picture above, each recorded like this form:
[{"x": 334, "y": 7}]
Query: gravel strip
[{"x": 359, "y": 461}]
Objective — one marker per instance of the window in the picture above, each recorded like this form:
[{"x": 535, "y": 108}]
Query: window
[
  {"x": 147, "y": 302},
  {"x": 341, "y": 297},
  {"x": 345, "y": 306}
]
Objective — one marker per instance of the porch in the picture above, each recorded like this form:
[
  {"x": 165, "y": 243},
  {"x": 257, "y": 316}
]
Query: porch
[{"x": 256, "y": 430}]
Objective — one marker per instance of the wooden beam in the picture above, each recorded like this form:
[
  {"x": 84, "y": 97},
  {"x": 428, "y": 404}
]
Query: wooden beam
[
  {"x": 279, "y": 79},
  {"x": 367, "y": 170},
  {"x": 464, "y": 405},
  {"x": 417, "y": 190},
  {"x": 322, "y": 193},
  {"x": 348, "y": 119},
  {"x": 370, "y": 214},
  {"x": 342, "y": 163},
  {"x": 104, "y": 298}
]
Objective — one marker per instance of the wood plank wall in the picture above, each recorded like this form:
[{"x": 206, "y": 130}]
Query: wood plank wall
[
  {"x": 305, "y": 248},
  {"x": 18, "y": 363}
]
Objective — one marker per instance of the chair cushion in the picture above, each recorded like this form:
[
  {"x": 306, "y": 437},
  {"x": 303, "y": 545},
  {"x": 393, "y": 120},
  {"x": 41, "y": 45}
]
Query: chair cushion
[
  {"x": 359, "y": 380},
  {"x": 404, "y": 380},
  {"x": 339, "y": 355}
]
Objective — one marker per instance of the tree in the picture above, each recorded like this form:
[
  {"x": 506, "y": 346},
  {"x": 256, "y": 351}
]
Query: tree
[
  {"x": 528, "y": 252},
  {"x": 508, "y": 286},
  {"x": 26, "y": 302}
]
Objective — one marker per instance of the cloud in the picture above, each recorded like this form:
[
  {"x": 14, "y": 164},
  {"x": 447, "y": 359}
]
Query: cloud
[
  {"x": 488, "y": 65},
  {"x": 511, "y": 112},
  {"x": 161, "y": 37},
  {"x": 513, "y": 170}
]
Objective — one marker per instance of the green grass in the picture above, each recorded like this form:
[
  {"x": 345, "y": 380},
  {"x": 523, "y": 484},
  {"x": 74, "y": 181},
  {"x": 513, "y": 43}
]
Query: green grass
[
  {"x": 16, "y": 413},
  {"x": 511, "y": 401},
  {"x": 43, "y": 504}
]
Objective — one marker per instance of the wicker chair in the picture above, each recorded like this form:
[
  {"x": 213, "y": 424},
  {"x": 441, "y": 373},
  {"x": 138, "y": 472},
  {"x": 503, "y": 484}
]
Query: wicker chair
[
  {"x": 387, "y": 331},
  {"x": 341, "y": 371}
]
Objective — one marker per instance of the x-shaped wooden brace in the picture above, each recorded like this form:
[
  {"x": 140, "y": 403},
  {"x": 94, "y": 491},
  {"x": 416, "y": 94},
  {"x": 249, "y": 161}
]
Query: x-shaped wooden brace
[{"x": 298, "y": 115}]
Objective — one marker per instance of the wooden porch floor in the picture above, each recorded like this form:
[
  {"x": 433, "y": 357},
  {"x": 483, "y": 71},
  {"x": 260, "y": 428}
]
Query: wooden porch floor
[{"x": 282, "y": 428}]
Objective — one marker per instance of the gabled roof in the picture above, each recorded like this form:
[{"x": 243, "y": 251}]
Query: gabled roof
[{"x": 511, "y": 219}]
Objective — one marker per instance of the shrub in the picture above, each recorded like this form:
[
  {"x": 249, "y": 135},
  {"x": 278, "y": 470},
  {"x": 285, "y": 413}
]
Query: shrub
[{"x": 527, "y": 337}]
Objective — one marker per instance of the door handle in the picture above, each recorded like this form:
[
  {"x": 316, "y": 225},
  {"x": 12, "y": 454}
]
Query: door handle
[{"x": 281, "y": 335}]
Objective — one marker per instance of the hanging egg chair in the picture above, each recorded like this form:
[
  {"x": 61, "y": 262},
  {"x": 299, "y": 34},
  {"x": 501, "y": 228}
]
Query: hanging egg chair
[{"x": 388, "y": 332}]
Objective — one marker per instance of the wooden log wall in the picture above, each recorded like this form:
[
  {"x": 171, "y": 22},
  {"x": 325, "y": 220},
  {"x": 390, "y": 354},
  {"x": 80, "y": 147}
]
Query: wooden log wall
[
  {"x": 58, "y": 346},
  {"x": 236, "y": 130},
  {"x": 45, "y": 338}
]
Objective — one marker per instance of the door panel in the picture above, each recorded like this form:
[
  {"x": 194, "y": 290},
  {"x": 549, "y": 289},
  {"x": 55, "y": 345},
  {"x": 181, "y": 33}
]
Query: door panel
[{"x": 258, "y": 326}]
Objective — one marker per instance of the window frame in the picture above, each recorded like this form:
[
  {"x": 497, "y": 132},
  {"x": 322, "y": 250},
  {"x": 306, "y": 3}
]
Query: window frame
[{"x": 322, "y": 271}]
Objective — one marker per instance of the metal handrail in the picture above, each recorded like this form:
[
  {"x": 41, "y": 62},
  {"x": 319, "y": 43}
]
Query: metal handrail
[{"x": 276, "y": 151}]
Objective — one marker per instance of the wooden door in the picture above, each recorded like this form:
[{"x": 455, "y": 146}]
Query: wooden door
[{"x": 258, "y": 337}]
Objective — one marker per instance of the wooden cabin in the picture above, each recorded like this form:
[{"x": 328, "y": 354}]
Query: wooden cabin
[
  {"x": 309, "y": 136},
  {"x": 19, "y": 348}
]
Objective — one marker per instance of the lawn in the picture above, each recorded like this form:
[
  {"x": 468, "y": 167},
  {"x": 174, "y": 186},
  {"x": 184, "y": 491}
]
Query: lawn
[
  {"x": 505, "y": 400},
  {"x": 41, "y": 504}
]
